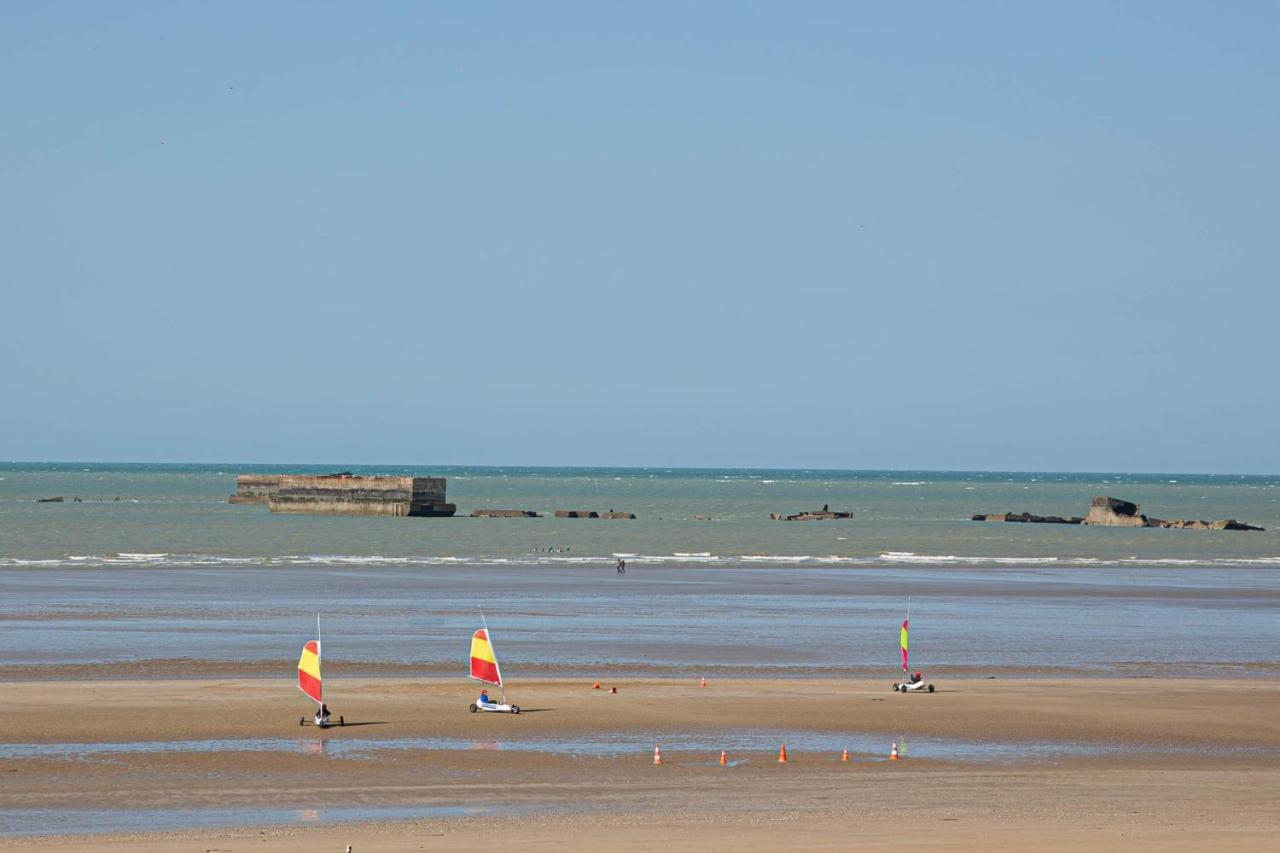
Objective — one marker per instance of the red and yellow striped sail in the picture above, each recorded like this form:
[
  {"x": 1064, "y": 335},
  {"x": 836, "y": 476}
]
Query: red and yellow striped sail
[
  {"x": 309, "y": 671},
  {"x": 904, "y": 644},
  {"x": 484, "y": 666}
]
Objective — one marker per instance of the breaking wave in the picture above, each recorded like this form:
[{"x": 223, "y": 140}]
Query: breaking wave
[{"x": 158, "y": 559}]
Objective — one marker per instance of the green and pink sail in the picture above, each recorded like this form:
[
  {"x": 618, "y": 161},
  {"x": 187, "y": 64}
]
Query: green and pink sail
[{"x": 904, "y": 643}]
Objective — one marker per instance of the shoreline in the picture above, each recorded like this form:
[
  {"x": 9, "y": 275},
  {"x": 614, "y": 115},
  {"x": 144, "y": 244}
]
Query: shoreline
[
  {"x": 879, "y": 558},
  {"x": 192, "y": 670}
]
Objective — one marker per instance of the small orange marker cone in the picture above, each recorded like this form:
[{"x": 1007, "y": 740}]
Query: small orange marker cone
[
  {"x": 893, "y": 753},
  {"x": 845, "y": 756},
  {"x": 704, "y": 681},
  {"x": 724, "y": 761},
  {"x": 657, "y": 755},
  {"x": 595, "y": 686},
  {"x": 782, "y": 754}
]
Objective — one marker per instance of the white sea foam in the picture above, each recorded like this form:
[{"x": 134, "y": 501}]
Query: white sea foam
[
  {"x": 939, "y": 559},
  {"x": 706, "y": 558},
  {"x": 908, "y": 557},
  {"x": 703, "y": 557},
  {"x": 912, "y": 483}
]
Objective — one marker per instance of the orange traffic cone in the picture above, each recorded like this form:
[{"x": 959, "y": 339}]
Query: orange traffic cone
[
  {"x": 782, "y": 754},
  {"x": 704, "y": 681},
  {"x": 657, "y": 755},
  {"x": 595, "y": 686},
  {"x": 845, "y": 756},
  {"x": 893, "y": 753},
  {"x": 724, "y": 761}
]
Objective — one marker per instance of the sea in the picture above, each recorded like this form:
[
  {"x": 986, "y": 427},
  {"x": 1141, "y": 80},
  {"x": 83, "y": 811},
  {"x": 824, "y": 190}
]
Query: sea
[{"x": 148, "y": 564}]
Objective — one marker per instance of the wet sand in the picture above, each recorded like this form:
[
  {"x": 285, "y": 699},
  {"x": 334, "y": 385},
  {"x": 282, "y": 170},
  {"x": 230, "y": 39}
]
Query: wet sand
[
  {"x": 1182, "y": 764},
  {"x": 654, "y": 622},
  {"x": 184, "y": 669}
]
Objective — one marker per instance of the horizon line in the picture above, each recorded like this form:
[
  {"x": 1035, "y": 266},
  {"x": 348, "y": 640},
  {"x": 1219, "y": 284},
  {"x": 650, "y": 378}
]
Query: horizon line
[{"x": 225, "y": 464}]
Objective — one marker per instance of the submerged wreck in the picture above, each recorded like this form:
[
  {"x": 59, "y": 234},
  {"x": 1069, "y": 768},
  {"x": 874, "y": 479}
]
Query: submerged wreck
[
  {"x": 1113, "y": 512},
  {"x": 591, "y": 513},
  {"x": 824, "y": 514},
  {"x": 345, "y": 494}
]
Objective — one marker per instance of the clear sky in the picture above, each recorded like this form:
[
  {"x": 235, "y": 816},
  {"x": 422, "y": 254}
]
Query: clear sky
[{"x": 852, "y": 235}]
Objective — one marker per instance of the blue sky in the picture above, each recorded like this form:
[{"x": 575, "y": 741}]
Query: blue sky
[{"x": 913, "y": 235}]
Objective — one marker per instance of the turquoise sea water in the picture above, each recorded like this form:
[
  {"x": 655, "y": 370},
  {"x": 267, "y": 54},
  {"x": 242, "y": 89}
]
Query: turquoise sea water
[{"x": 178, "y": 515}]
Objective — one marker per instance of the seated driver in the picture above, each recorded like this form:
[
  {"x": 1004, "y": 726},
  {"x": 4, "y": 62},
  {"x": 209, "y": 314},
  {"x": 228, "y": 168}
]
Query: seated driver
[
  {"x": 915, "y": 678},
  {"x": 484, "y": 697}
]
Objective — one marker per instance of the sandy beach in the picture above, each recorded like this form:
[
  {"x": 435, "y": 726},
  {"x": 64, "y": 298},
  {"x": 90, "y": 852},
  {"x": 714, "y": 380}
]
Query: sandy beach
[{"x": 1058, "y": 764}]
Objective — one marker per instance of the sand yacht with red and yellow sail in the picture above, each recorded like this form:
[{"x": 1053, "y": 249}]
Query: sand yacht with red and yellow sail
[
  {"x": 311, "y": 683},
  {"x": 485, "y": 669}
]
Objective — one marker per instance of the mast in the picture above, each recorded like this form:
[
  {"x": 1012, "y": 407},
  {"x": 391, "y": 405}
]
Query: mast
[
  {"x": 502, "y": 685},
  {"x": 320, "y": 658}
]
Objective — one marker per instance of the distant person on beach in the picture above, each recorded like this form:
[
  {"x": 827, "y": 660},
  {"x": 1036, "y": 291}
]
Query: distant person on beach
[{"x": 622, "y": 566}]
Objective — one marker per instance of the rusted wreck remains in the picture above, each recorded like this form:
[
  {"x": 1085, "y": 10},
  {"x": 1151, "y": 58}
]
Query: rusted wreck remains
[{"x": 1113, "y": 512}]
